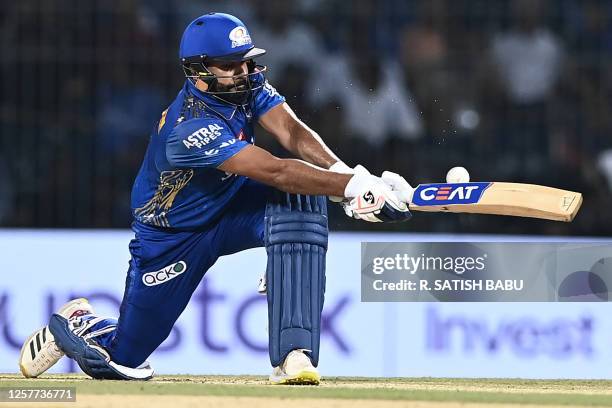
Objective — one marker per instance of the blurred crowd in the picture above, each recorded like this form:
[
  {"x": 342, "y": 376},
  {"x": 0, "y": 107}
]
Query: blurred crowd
[{"x": 513, "y": 90}]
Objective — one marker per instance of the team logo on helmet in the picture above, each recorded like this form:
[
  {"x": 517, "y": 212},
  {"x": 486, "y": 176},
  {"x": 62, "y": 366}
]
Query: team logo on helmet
[{"x": 239, "y": 37}]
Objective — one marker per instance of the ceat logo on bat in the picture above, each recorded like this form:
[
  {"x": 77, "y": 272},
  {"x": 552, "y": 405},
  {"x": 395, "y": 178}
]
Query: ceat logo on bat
[{"x": 449, "y": 193}]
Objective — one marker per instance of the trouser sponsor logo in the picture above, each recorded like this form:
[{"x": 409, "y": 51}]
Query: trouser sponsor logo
[{"x": 164, "y": 274}]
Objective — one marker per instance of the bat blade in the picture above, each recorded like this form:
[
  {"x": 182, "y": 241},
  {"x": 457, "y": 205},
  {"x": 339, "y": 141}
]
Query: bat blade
[{"x": 515, "y": 199}]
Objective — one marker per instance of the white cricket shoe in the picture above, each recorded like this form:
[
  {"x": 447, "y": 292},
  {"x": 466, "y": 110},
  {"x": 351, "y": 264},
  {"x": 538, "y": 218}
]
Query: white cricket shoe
[
  {"x": 39, "y": 352},
  {"x": 297, "y": 369}
]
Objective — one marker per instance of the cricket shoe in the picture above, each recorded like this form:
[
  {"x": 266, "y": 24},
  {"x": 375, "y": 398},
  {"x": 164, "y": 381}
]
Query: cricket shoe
[
  {"x": 297, "y": 369},
  {"x": 39, "y": 352}
]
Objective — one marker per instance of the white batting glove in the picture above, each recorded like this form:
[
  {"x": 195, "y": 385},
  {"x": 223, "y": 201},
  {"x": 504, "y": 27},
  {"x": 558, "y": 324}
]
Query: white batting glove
[
  {"x": 359, "y": 169},
  {"x": 341, "y": 167},
  {"x": 399, "y": 185},
  {"x": 373, "y": 200}
]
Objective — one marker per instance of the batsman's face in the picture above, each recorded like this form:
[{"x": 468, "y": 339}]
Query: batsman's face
[{"x": 225, "y": 72}]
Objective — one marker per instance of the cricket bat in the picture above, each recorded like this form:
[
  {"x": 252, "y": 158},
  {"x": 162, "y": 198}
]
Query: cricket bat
[{"x": 516, "y": 199}]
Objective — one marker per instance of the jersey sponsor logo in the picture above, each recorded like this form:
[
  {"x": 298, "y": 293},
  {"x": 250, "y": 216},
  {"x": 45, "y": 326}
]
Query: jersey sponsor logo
[
  {"x": 449, "y": 193},
  {"x": 239, "y": 37},
  {"x": 212, "y": 152},
  {"x": 227, "y": 143},
  {"x": 164, "y": 274},
  {"x": 203, "y": 136}
]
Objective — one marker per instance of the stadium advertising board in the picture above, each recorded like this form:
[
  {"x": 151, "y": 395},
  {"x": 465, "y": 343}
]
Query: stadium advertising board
[{"x": 224, "y": 328}]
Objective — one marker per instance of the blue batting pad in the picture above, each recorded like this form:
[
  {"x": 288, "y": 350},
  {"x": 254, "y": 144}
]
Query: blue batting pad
[{"x": 296, "y": 242}]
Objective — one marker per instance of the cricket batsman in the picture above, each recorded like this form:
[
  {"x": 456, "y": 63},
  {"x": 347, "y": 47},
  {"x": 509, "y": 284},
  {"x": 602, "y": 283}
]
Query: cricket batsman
[{"x": 204, "y": 190}]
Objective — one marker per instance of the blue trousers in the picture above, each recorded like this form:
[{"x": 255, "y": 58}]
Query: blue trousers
[{"x": 152, "y": 302}]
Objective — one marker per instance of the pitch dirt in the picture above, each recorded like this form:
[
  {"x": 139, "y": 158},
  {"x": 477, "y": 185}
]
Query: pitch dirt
[
  {"x": 164, "y": 401},
  {"x": 254, "y": 392}
]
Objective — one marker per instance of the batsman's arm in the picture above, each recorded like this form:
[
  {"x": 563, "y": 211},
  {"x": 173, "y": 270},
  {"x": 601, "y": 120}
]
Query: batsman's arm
[
  {"x": 373, "y": 200},
  {"x": 295, "y": 136},
  {"x": 290, "y": 175}
]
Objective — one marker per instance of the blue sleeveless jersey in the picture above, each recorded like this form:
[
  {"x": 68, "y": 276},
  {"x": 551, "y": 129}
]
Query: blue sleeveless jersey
[{"x": 178, "y": 185}]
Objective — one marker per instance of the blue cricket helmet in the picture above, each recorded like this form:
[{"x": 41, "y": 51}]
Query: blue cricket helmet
[
  {"x": 221, "y": 38},
  {"x": 218, "y": 37}
]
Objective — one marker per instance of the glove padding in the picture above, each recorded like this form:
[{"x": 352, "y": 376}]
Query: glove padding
[
  {"x": 377, "y": 203},
  {"x": 399, "y": 185}
]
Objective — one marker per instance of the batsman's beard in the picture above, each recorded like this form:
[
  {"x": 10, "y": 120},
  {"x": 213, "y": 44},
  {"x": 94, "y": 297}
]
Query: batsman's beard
[{"x": 237, "y": 93}]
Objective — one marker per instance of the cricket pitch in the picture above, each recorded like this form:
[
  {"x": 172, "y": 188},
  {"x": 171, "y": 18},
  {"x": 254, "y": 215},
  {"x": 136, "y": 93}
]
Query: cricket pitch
[{"x": 337, "y": 392}]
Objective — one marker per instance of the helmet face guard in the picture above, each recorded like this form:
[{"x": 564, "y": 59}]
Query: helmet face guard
[{"x": 238, "y": 92}]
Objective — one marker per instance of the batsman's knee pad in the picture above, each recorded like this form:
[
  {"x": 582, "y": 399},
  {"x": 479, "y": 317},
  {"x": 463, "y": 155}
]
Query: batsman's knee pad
[
  {"x": 296, "y": 235},
  {"x": 77, "y": 338}
]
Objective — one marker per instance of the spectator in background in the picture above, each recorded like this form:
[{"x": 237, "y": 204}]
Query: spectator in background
[
  {"x": 186, "y": 10},
  {"x": 527, "y": 57},
  {"x": 590, "y": 79},
  {"x": 129, "y": 99},
  {"x": 540, "y": 112},
  {"x": 590, "y": 29},
  {"x": 582, "y": 124},
  {"x": 424, "y": 52},
  {"x": 292, "y": 43},
  {"x": 370, "y": 91},
  {"x": 443, "y": 89},
  {"x": 527, "y": 64}
]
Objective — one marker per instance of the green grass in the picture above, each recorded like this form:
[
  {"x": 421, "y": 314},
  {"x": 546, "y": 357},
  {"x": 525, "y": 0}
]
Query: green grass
[{"x": 537, "y": 392}]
